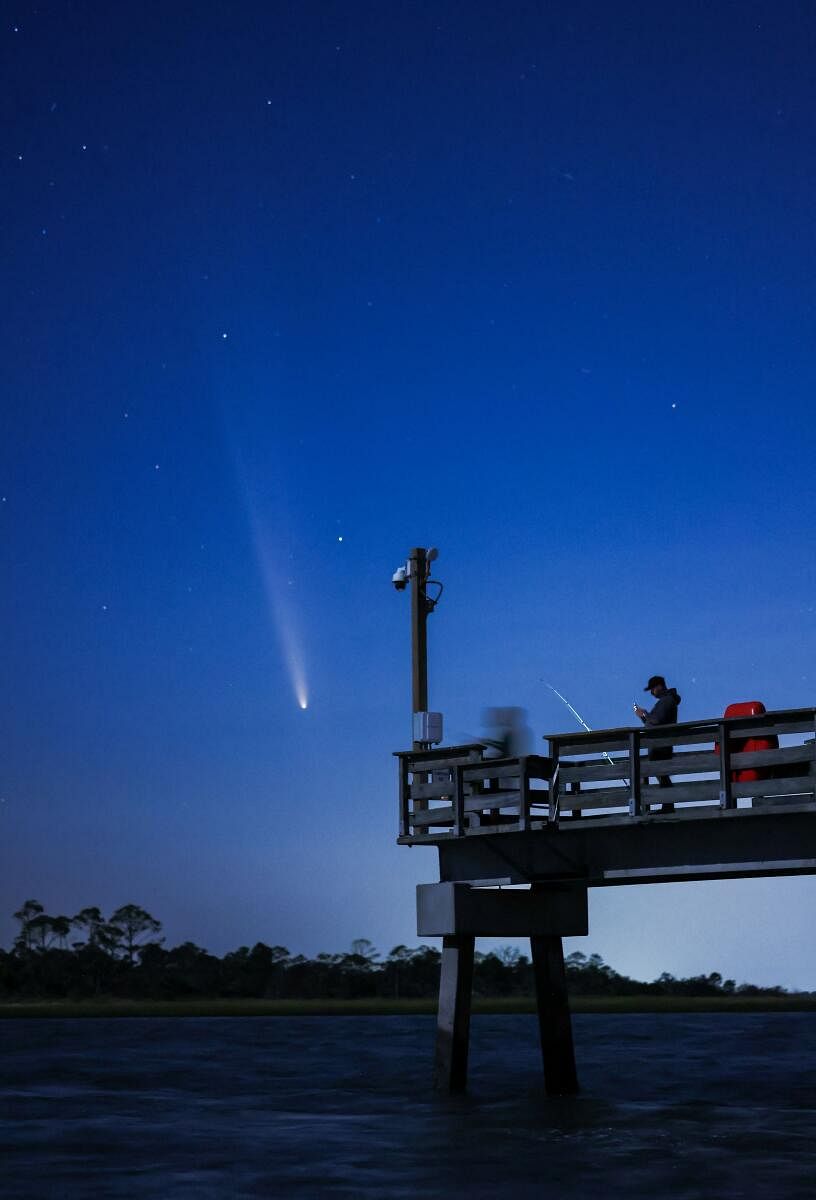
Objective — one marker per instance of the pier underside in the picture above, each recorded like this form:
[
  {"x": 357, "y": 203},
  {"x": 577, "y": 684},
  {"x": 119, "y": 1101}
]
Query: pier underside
[{"x": 687, "y": 845}]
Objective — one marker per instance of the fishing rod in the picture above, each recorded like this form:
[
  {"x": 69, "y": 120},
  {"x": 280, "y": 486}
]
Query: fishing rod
[{"x": 582, "y": 722}]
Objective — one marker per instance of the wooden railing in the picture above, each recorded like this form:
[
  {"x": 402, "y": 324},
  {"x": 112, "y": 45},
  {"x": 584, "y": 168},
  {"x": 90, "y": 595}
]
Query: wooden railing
[
  {"x": 605, "y": 770},
  {"x": 455, "y": 788},
  {"x": 454, "y": 791}
]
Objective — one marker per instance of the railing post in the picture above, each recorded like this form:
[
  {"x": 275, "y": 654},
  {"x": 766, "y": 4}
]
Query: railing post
[
  {"x": 458, "y": 775},
  {"x": 554, "y": 783},
  {"x": 726, "y": 796},
  {"x": 404, "y": 795},
  {"x": 524, "y": 794},
  {"x": 635, "y": 805}
]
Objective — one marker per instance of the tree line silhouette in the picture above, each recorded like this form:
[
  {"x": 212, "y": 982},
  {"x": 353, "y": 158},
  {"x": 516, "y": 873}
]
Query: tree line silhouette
[{"x": 123, "y": 956}]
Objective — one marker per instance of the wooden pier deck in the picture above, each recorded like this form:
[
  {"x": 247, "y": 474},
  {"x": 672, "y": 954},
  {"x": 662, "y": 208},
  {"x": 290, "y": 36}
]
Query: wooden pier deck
[{"x": 583, "y": 811}]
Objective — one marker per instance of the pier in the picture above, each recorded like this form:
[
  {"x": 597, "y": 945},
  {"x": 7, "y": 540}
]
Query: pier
[{"x": 520, "y": 841}]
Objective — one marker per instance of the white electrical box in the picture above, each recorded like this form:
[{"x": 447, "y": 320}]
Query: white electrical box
[{"x": 428, "y": 727}]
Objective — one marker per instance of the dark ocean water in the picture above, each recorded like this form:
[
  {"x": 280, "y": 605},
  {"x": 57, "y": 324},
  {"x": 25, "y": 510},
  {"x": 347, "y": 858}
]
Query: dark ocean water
[{"x": 672, "y": 1105}]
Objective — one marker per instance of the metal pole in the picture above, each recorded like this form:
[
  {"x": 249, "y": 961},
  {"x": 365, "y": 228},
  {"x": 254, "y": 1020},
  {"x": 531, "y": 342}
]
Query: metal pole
[{"x": 419, "y": 635}]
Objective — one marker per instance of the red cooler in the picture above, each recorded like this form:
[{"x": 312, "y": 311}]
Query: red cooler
[{"x": 750, "y": 708}]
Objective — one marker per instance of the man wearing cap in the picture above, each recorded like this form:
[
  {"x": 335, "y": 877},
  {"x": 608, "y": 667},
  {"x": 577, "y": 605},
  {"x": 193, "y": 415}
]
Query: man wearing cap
[{"x": 664, "y": 712}]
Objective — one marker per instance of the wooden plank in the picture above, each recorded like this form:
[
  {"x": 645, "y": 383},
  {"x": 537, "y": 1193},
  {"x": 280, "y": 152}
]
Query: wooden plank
[
  {"x": 658, "y": 738},
  {"x": 424, "y": 764},
  {"x": 440, "y": 754},
  {"x": 446, "y": 815},
  {"x": 702, "y": 789},
  {"x": 621, "y": 732},
  {"x": 783, "y": 716},
  {"x": 802, "y": 785},
  {"x": 715, "y": 870},
  {"x": 508, "y": 826},
  {"x": 582, "y": 801},
  {"x": 433, "y": 816},
  {"x": 769, "y": 730},
  {"x": 786, "y": 755},
  {"x": 537, "y": 766},
  {"x": 595, "y": 771},
  {"x": 431, "y": 791},
  {"x": 487, "y": 771},
  {"x": 787, "y": 721},
  {"x": 696, "y": 791},
  {"x": 760, "y": 802},
  {"x": 453, "y": 1014},
  {"x": 649, "y": 738},
  {"x": 424, "y": 839},
  {"x": 684, "y": 763}
]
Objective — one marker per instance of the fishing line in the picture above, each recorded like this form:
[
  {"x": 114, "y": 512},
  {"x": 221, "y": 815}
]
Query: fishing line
[{"x": 582, "y": 722}]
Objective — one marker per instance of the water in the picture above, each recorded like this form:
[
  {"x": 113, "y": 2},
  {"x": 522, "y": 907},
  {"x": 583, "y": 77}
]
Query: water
[{"x": 672, "y": 1105}]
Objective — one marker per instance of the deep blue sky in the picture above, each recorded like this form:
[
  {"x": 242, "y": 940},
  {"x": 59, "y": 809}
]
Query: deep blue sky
[{"x": 530, "y": 282}]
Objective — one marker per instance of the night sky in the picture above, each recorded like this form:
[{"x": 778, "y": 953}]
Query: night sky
[{"x": 291, "y": 287}]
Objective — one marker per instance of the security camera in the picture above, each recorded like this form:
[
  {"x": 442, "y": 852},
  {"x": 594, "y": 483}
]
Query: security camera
[{"x": 400, "y": 579}]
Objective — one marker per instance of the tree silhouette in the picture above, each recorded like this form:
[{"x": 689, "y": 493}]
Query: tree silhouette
[
  {"x": 121, "y": 956},
  {"x": 25, "y": 915},
  {"x": 134, "y": 923},
  {"x": 102, "y": 935},
  {"x": 45, "y": 930}
]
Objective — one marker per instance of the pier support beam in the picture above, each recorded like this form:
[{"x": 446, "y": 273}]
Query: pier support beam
[
  {"x": 453, "y": 1018},
  {"x": 554, "y": 1021},
  {"x": 459, "y": 913}
]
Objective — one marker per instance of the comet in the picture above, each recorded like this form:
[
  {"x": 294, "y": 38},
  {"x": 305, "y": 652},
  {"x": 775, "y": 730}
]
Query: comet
[
  {"x": 282, "y": 614},
  {"x": 269, "y": 544}
]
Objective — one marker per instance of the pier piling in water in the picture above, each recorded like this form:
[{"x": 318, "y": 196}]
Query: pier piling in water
[
  {"x": 554, "y": 1021},
  {"x": 453, "y": 1016},
  {"x": 459, "y": 912}
]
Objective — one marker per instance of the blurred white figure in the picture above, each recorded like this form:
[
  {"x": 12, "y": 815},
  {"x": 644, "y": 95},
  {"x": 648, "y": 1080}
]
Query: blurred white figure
[{"x": 508, "y": 734}]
